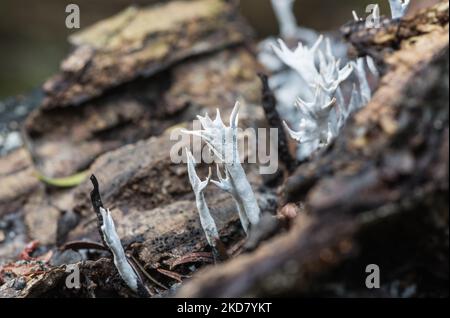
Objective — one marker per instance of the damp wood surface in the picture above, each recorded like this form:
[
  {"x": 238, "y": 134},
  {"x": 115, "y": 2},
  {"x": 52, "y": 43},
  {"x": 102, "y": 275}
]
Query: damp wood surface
[{"x": 377, "y": 195}]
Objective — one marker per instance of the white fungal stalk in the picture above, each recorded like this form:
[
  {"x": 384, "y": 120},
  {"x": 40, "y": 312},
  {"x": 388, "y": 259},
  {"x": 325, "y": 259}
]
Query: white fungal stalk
[
  {"x": 228, "y": 186},
  {"x": 285, "y": 16},
  {"x": 223, "y": 142},
  {"x": 331, "y": 75},
  {"x": 355, "y": 16},
  {"x": 289, "y": 28},
  {"x": 399, "y": 8},
  {"x": 198, "y": 186},
  {"x": 366, "y": 94},
  {"x": 120, "y": 260}
]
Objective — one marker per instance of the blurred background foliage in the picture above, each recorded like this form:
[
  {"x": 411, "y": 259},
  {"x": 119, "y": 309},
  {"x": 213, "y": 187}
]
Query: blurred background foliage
[{"x": 33, "y": 33}]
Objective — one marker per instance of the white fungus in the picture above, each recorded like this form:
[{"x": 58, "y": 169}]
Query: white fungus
[{"x": 113, "y": 241}]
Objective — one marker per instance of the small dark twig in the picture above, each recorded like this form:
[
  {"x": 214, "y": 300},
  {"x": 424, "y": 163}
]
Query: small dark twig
[
  {"x": 196, "y": 257},
  {"x": 269, "y": 104},
  {"x": 83, "y": 245},
  {"x": 170, "y": 274},
  {"x": 135, "y": 263}
]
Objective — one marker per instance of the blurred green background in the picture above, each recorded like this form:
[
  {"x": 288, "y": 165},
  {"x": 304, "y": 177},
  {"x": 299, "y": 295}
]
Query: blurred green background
[{"x": 33, "y": 33}]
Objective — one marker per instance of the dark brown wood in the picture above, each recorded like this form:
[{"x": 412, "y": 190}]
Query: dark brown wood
[{"x": 378, "y": 195}]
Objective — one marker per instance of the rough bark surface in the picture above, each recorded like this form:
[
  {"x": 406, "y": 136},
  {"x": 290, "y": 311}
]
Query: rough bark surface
[{"x": 378, "y": 195}]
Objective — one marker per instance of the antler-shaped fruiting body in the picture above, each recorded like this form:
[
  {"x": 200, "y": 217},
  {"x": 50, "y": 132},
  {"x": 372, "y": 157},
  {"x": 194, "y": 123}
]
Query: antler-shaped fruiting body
[
  {"x": 319, "y": 117},
  {"x": 198, "y": 186},
  {"x": 302, "y": 59},
  {"x": 111, "y": 240},
  {"x": 399, "y": 8},
  {"x": 223, "y": 142},
  {"x": 324, "y": 110}
]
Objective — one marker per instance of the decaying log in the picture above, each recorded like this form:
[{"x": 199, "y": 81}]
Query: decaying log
[
  {"x": 158, "y": 221},
  {"x": 17, "y": 180},
  {"x": 150, "y": 198},
  {"x": 141, "y": 42},
  {"x": 378, "y": 196},
  {"x": 114, "y": 89},
  {"x": 66, "y": 140}
]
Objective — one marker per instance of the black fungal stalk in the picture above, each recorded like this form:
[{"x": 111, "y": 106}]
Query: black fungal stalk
[
  {"x": 269, "y": 104},
  {"x": 97, "y": 204}
]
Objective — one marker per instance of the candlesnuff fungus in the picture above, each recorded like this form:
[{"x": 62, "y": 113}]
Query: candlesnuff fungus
[
  {"x": 302, "y": 59},
  {"x": 314, "y": 124},
  {"x": 286, "y": 19},
  {"x": 364, "y": 87},
  {"x": 289, "y": 29},
  {"x": 198, "y": 186},
  {"x": 322, "y": 100},
  {"x": 284, "y": 12},
  {"x": 399, "y": 8},
  {"x": 322, "y": 107},
  {"x": 206, "y": 220},
  {"x": 111, "y": 240},
  {"x": 228, "y": 186},
  {"x": 223, "y": 142}
]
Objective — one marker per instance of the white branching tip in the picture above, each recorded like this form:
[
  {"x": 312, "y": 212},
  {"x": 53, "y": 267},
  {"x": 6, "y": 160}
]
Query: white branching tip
[
  {"x": 198, "y": 186},
  {"x": 327, "y": 107},
  {"x": 120, "y": 260},
  {"x": 316, "y": 45},
  {"x": 399, "y": 8},
  {"x": 308, "y": 132},
  {"x": 302, "y": 59},
  {"x": 297, "y": 136},
  {"x": 234, "y": 117}
]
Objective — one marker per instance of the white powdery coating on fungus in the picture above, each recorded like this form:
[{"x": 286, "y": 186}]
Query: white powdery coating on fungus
[
  {"x": 324, "y": 112},
  {"x": 223, "y": 142},
  {"x": 198, "y": 186},
  {"x": 227, "y": 185},
  {"x": 120, "y": 260},
  {"x": 322, "y": 115}
]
